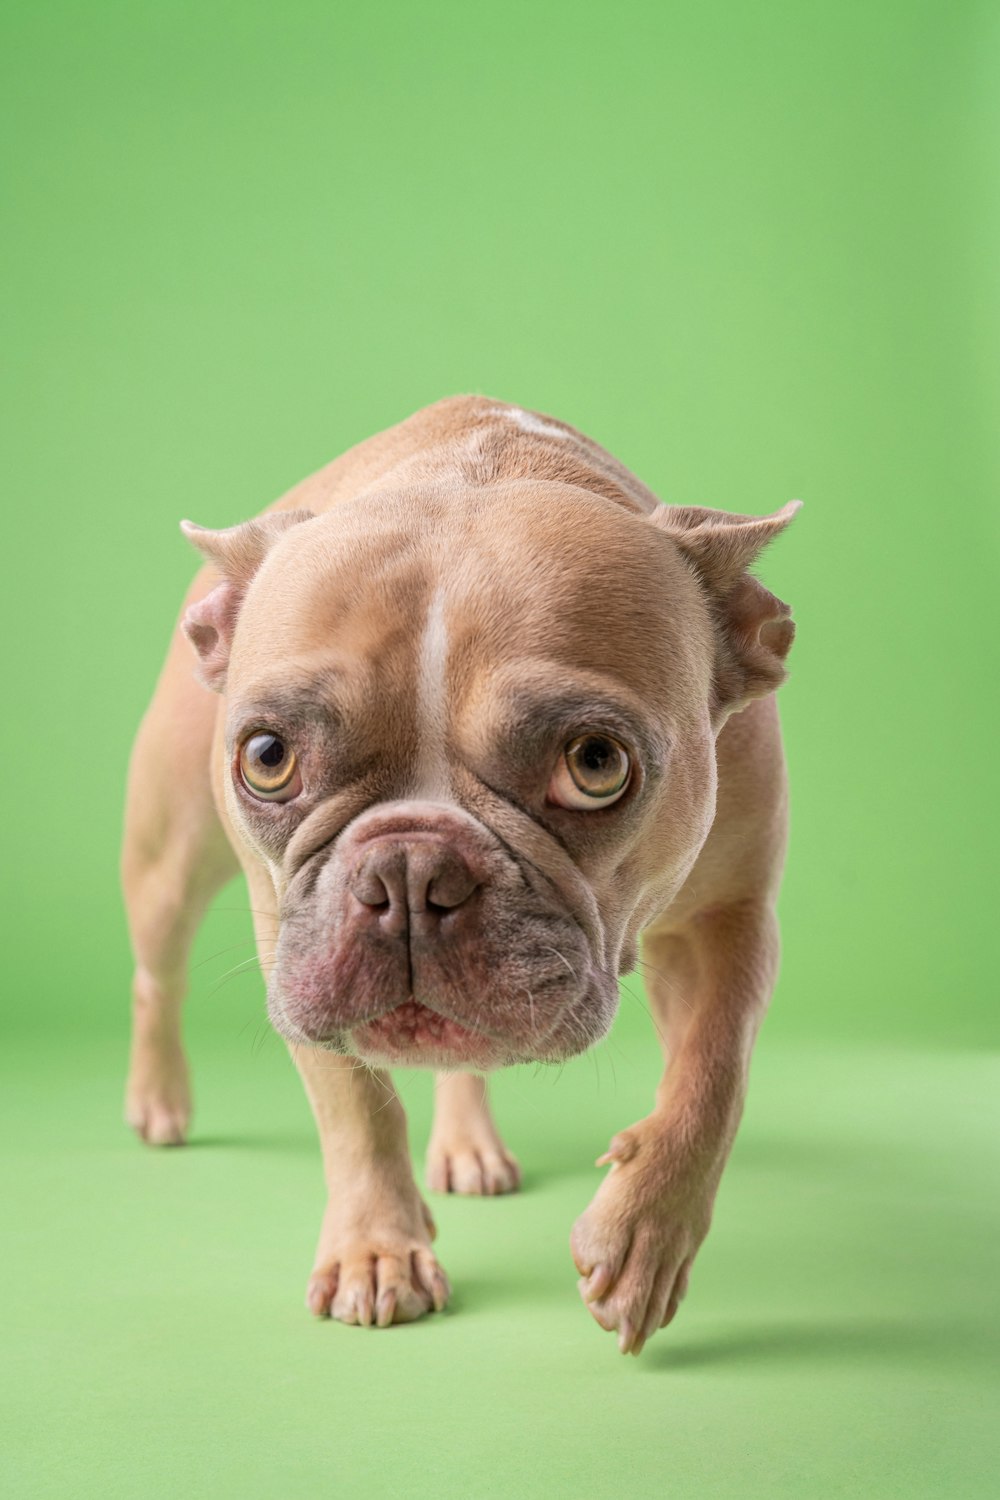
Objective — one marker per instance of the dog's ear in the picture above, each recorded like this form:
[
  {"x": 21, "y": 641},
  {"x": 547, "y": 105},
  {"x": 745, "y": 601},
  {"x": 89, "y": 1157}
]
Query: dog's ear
[
  {"x": 754, "y": 629},
  {"x": 237, "y": 553}
]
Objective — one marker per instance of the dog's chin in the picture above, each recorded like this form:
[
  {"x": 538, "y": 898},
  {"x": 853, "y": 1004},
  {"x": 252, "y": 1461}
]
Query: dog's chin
[{"x": 414, "y": 1036}]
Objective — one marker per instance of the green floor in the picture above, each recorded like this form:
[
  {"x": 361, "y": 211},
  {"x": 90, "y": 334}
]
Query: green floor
[{"x": 840, "y": 1336}]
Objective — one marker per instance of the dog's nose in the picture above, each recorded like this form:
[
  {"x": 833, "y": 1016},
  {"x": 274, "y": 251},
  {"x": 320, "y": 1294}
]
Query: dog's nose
[{"x": 411, "y": 884}]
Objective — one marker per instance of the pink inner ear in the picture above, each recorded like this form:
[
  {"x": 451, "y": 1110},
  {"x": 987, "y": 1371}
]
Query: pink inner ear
[
  {"x": 209, "y": 625},
  {"x": 203, "y": 637},
  {"x": 759, "y": 632},
  {"x": 777, "y": 636}
]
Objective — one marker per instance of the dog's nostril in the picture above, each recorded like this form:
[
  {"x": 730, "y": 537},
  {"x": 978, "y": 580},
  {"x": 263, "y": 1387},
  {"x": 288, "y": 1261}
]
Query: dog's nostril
[
  {"x": 370, "y": 890},
  {"x": 450, "y": 887}
]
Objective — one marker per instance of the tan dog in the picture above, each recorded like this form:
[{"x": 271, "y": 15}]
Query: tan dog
[{"x": 475, "y": 735}]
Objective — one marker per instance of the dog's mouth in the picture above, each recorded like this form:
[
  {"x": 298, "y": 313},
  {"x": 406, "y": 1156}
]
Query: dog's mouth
[{"x": 413, "y": 1034}]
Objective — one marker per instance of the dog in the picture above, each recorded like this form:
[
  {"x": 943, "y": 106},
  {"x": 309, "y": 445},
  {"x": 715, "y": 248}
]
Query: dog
[{"x": 482, "y": 712}]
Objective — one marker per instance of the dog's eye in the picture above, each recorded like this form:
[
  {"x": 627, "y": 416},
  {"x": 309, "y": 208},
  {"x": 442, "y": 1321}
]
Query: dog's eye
[
  {"x": 269, "y": 768},
  {"x": 593, "y": 771}
]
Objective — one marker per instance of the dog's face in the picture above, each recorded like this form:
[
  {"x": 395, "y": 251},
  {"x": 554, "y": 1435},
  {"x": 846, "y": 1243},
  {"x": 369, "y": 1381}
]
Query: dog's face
[{"x": 472, "y": 739}]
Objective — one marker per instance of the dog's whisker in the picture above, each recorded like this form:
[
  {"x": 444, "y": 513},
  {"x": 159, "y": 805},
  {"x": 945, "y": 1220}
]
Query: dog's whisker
[
  {"x": 232, "y": 948},
  {"x": 562, "y": 958},
  {"x": 671, "y": 984},
  {"x": 241, "y": 968},
  {"x": 652, "y": 1019},
  {"x": 240, "y": 911}
]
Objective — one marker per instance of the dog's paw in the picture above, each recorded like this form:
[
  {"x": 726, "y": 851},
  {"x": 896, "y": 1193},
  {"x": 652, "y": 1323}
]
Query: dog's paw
[
  {"x": 635, "y": 1244},
  {"x": 471, "y": 1158},
  {"x": 378, "y": 1281},
  {"x": 158, "y": 1094},
  {"x": 374, "y": 1265},
  {"x": 466, "y": 1154}
]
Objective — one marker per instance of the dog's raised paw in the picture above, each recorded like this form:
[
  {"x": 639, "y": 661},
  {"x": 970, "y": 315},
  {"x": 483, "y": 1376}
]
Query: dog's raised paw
[{"x": 635, "y": 1244}]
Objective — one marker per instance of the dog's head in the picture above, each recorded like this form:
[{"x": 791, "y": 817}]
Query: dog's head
[{"x": 471, "y": 737}]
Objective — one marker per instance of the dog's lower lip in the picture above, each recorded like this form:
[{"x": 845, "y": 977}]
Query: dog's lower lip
[
  {"x": 415, "y": 1029},
  {"x": 417, "y": 1012}
]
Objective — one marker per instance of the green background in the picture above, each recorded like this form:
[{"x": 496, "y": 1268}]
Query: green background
[{"x": 753, "y": 249}]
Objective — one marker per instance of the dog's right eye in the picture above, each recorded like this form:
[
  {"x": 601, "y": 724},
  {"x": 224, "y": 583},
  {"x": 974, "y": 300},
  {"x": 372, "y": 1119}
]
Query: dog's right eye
[{"x": 269, "y": 768}]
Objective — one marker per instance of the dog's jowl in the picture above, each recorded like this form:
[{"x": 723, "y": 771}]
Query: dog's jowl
[{"x": 477, "y": 716}]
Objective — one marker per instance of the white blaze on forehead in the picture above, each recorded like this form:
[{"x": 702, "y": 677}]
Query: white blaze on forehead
[
  {"x": 432, "y": 703},
  {"x": 528, "y": 422}
]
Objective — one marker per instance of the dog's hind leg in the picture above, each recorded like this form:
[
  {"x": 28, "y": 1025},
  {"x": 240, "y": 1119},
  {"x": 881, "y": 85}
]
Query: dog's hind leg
[
  {"x": 466, "y": 1153},
  {"x": 174, "y": 858}
]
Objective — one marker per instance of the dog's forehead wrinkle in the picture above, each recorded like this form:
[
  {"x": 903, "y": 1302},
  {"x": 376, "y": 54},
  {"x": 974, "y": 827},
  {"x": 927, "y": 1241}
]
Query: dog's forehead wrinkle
[
  {"x": 389, "y": 526},
  {"x": 551, "y": 694},
  {"x": 565, "y": 703},
  {"x": 309, "y": 701}
]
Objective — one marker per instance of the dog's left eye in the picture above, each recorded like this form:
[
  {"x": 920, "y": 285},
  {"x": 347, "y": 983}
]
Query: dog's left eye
[
  {"x": 269, "y": 768},
  {"x": 593, "y": 771}
]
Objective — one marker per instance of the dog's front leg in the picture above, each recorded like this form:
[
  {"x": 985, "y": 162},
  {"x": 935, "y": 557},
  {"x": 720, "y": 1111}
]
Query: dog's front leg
[
  {"x": 374, "y": 1263},
  {"x": 708, "y": 982}
]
